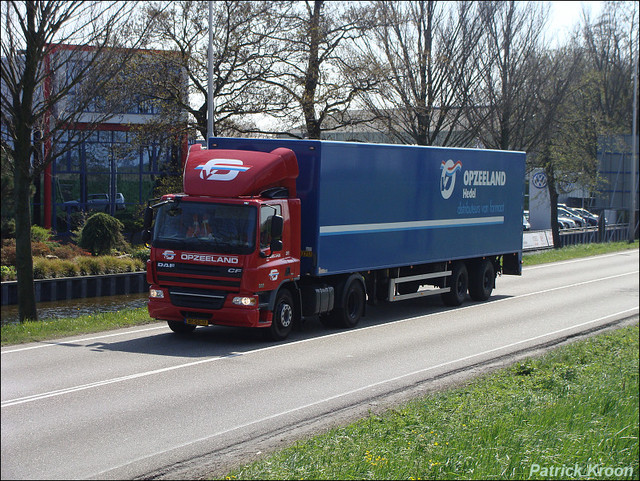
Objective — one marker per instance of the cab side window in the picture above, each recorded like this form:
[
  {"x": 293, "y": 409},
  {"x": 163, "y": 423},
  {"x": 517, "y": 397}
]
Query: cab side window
[{"x": 266, "y": 213}]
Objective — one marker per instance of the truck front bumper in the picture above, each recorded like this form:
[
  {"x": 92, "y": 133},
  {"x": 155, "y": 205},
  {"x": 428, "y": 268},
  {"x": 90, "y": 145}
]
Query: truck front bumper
[{"x": 162, "y": 308}]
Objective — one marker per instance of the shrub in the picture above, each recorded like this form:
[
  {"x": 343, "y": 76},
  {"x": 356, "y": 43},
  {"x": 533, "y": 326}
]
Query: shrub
[
  {"x": 68, "y": 251},
  {"x": 141, "y": 254},
  {"x": 8, "y": 252},
  {"x": 101, "y": 234},
  {"x": 89, "y": 265},
  {"x": 112, "y": 265},
  {"x": 40, "y": 249},
  {"x": 40, "y": 234},
  {"x": 8, "y": 228},
  {"x": 69, "y": 268},
  {"x": 42, "y": 268},
  {"x": 8, "y": 273}
]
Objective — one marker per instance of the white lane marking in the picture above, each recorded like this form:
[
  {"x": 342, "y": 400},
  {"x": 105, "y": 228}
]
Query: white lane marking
[
  {"x": 364, "y": 388},
  {"x": 59, "y": 392}
]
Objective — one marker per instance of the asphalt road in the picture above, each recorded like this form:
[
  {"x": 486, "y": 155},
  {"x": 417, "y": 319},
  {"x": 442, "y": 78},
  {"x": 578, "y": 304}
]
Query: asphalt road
[{"x": 141, "y": 402}]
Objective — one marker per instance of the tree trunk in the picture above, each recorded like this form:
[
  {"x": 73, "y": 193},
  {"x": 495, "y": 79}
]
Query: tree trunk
[
  {"x": 553, "y": 200},
  {"x": 24, "y": 260},
  {"x": 312, "y": 74}
]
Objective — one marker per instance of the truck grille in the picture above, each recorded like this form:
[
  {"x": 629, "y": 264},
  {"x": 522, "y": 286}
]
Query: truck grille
[
  {"x": 197, "y": 298},
  {"x": 175, "y": 272}
]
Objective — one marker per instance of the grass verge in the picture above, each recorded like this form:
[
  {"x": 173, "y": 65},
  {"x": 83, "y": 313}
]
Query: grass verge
[
  {"x": 575, "y": 407},
  {"x": 576, "y": 251},
  {"x": 31, "y": 331}
]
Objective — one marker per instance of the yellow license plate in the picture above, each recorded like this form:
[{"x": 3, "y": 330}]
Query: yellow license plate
[{"x": 196, "y": 322}]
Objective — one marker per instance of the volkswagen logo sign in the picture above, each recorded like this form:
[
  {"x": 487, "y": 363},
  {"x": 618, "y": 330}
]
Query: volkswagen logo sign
[{"x": 540, "y": 180}]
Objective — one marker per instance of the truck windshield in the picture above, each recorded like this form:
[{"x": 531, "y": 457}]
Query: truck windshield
[{"x": 220, "y": 228}]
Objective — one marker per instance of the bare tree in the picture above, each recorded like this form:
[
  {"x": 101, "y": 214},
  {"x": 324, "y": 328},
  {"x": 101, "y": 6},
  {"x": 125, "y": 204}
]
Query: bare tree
[
  {"x": 309, "y": 72},
  {"x": 559, "y": 123},
  {"x": 597, "y": 102},
  {"x": 508, "y": 98},
  {"x": 243, "y": 56},
  {"x": 424, "y": 55},
  {"x": 611, "y": 44},
  {"x": 59, "y": 58},
  {"x": 524, "y": 91}
]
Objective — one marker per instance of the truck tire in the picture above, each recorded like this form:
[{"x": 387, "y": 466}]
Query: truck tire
[
  {"x": 352, "y": 303},
  {"x": 459, "y": 283},
  {"x": 181, "y": 327},
  {"x": 481, "y": 280},
  {"x": 283, "y": 316}
]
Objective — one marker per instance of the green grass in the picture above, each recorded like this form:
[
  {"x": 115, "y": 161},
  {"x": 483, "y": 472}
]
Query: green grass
[
  {"x": 30, "y": 331},
  {"x": 52, "y": 329},
  {"x": 576, "y": 251},
  {"x": 577, "y": 405}
]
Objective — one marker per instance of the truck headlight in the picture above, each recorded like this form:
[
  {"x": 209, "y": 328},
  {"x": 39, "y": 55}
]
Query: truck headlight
[
  {"x": 156, "y": 293},
  {"x": 245, "y": 301}
]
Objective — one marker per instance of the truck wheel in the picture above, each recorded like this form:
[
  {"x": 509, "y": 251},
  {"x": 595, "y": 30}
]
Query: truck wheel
[
  {"x": 283, "y": 316},
  {"x": 481, "y": 280},
  {"x": 352, "y": 305},
  {"x": 459, "y": 283},
  {"x": 180, "y": 327}
]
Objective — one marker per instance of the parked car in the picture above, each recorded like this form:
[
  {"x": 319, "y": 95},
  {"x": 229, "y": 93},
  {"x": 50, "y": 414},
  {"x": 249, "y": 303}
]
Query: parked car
[
  {"x": 565, "y": 212},
  {"x": 525, "y": 223},
  {"x": 591, "y": 218},
  {"x": 99, "y": 202},
  {"x": 566, "y": 222},
  {"x": 586, "y": 222}
]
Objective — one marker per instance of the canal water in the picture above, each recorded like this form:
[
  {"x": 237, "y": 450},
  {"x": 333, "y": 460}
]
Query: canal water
[{"x": 79, "y": 307}]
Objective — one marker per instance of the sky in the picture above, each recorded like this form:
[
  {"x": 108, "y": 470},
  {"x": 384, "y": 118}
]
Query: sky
[{"x": 564, "y": 16}]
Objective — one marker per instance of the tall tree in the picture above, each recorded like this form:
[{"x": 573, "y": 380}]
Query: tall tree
[
  {"x": 308, "y": 72},
  {"x": 424, "y": 54},
  {"x": 559, "y": 124},
  {"x": 597, "y": 103},
  {"x": 59, "y": 57},
  {"x": 508, "y": 97},
  {"x": 243, "y": 55},
  {"x": 524, "y": 85},
  {"x": 611, "y": 45}
]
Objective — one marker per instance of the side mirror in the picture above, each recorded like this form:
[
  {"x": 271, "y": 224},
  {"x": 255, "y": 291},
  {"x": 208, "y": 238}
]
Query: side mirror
[
  {"x": 148, "y": 218},
  {"x": 276, "y": 228},
  {"x": 146, "y": 237},
  {"x": 276, "y": 245},
  {"x": 277, "y": 225}
]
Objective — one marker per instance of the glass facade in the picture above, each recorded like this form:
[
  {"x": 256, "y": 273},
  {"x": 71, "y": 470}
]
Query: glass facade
[{"x": 108, "y": 172}]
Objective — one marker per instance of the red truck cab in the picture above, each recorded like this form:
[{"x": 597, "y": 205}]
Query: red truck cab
[{"x": 222, "y": 249}]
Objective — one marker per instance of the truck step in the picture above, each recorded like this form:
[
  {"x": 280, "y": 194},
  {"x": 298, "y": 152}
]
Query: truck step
[{"x": 393, "y": 282}]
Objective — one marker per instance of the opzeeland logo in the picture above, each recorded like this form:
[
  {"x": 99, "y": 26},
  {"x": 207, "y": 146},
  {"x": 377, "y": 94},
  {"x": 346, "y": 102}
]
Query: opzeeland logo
[
  {"x": 448, "y": 177},
  {"x": 222, "y": 169},
  {"x": 169, "y": 255}
]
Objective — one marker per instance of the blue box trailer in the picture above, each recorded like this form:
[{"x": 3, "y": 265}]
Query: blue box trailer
[
  {"x": 268, "y": 232},
  {"x": 369, "y": 207}
]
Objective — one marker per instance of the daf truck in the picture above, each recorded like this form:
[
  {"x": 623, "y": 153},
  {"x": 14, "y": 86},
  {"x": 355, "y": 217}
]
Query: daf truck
[{"x": 270, "y": 232}]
